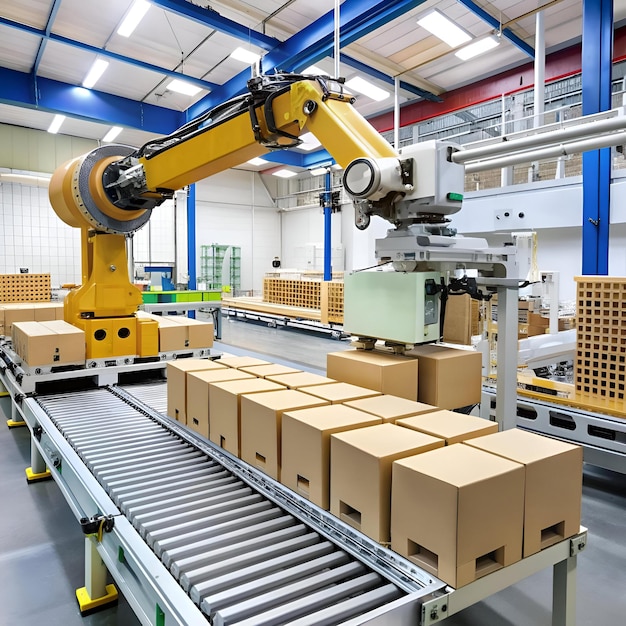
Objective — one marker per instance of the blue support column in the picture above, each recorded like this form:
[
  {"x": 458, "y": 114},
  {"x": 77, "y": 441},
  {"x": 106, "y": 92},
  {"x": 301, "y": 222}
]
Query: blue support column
[
  {"x": 191, "y": 240},
  {"x": 597, "y": 56},
  {"x": 328, "y": 211}
]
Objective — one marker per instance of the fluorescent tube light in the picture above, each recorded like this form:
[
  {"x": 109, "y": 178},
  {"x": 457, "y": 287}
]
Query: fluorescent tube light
[
  {"x": 257, "y": 161},
  {"x": 309, "y": 142},
  {"x": 133, "y": 17},
  {"x": 55, "y": 126},
  {"x": 319, "y": 171},
  {"x": 284, "y": 173},
  {"x": 480, "y": 46},
  {"x": 367, "y": 89},
  {"x": 245, "y": 56},
  {"x": 112, "y": 134},
  {"x": 444, "y": 28},
  {"x": 180, "y": 86},
  {"x": 314, "y": 70},
  {"x": 93, "y": 76}
]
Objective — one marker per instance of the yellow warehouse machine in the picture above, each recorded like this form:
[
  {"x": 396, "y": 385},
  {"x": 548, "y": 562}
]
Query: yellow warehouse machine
[{"x": 189, "y": 533}]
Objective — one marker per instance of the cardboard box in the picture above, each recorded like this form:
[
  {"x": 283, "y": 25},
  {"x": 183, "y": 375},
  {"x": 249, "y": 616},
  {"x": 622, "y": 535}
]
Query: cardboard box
[
  {"x": 338, "y": 393},
  {"x": 199, "y": 334},
  {"x": 391, "y": 408},
  {"x": 48, "y": 311},
  {"x": 458, "y": 515},
  {"x": 225, "y": 409},
  {"x": 177, "y": 383},
  {"x": 261, "y": 421},
  {"x": 50, "y": 343},
  {"x": 172, "y": 336},
  {"x": 17, "y": 313},
  {"x": 360, "y": 473},
  {"x": 273, "y": 369},
  {"x": 386, "y": 373},
  {"x": 461, "y": 319},
  {"x": 450, "y": 426},
  {"x": 300, "y": 380},
  {"x": 553, "y": 485},
  {"x": 306, "y": 447},
  {"x": 242, "y": 361},
  {"x": 448, "y": 378},
  {"x": 198, "y": 394}
]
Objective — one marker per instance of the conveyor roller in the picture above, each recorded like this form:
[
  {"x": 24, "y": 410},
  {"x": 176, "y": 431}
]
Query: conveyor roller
[{"x": 241, "y": 558}]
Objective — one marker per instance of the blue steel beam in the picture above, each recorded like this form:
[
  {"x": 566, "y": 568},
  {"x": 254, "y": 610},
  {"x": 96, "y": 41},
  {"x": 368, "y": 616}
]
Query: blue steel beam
[
  {"x": 507, "y": 33},
  {"x": 45, "y": 94},
  {"x": 374, "y": 73},
  {"x": 214, "y": 20},
  {"x": 106, "y": 53},
  {"x": 597, "y": 54},
  {"x": 313, "y": 43},
  {"x": 42, "y": 44}
]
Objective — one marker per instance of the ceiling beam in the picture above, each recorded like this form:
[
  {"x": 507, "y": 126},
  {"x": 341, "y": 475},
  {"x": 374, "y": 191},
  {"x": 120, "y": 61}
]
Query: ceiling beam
[
  {"x": 44, "y": 94},
  {"x": 106, "y": 53},
  {"x": 42, "y": 44},
  {"x": 212, "y": 19},
  {"x": 367, "y": 69},
  {"x": 507, "y": 33},
  {"x": 313, "y": 43}
]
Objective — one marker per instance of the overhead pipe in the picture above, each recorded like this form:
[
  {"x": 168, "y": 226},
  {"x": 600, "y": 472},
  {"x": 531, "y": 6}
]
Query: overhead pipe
[
  {"x": 563, "y": 149},
  {"x": 579, "y": 131}
]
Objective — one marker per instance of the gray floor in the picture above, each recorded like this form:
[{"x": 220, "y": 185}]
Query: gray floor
[{"x": 41, "y": 545}]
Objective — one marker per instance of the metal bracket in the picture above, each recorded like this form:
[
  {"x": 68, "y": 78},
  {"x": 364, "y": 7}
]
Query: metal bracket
[
  {"x": 577, "y": 544},
  {"x": 434, "y": 610},
  {"x": 97, "y": 524}
]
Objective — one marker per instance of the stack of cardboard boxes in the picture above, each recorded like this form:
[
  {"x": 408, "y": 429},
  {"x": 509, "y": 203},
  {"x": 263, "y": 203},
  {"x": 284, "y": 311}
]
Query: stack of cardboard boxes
[
  {"x": 442, "y": 488},
  {"x": 29, "y": 312},
  {"x": 178, "y": 332},
  {"x": 52, "y": 343}
]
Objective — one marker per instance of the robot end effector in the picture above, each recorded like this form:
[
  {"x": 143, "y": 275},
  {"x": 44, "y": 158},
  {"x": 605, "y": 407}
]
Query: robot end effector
[{"x": 423, "y": 185}]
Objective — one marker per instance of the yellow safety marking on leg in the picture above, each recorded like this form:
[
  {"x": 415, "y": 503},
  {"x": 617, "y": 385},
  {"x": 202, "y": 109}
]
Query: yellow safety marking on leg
[
  {"x": 86, "y": 604},
  {"x": 31, "y": 477},
  {"x": 15, "y": 423}
]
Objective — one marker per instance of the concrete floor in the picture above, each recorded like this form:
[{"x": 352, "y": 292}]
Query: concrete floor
[{"x": 41, "y": 545}]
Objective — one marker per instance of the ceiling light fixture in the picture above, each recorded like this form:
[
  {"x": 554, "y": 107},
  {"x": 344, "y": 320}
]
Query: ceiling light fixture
[
  {"x": 284, "y": 173},
  {"x": 480, "y": 46},
  {"x": 245, "y": 56},
  {"x": 257, "y": 161},
  {"x": 319, "y": 171},
  {"x": 93, "y": 76},
  {"x": 444, "y": 28},
  {"x": 112, "y": 134},
  {"x": 366, "y": 88},
  {"x": 133, "y": 17},
  {"x": 309, "y": 142},
  {"x": 314, "y": 71},
  {"x": 55, "y": 126},
  {"x": 180, "y": 86}
]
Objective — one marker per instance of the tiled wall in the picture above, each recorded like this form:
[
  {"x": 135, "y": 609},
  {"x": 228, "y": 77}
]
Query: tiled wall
[{"x": 32, "y": 236}]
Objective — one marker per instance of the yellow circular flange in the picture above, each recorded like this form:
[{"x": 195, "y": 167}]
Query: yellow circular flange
[
  {"x": 61, "y": 193},
  {"x": 100, "y": 197}
]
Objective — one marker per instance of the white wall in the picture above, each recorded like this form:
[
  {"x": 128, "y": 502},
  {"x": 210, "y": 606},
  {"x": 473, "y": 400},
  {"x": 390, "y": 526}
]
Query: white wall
[
  {"x": 32, "y": 236},
  {"x": 234, "y": 208}
]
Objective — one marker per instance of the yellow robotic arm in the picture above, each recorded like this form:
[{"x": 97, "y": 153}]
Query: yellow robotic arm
[{"x": 110, "y": 192}]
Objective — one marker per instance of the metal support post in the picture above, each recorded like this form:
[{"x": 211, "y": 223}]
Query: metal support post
[
  {"x": 596, "y": 96},
  {"x": 564, "y": 593},
  {"x": 37, "y": 470},
  {"x": 191, "y": 240},
  {"x": 328, "y": 210},
  {"x": 506, "y": 392},
  {"x": 96, "y": 593}
]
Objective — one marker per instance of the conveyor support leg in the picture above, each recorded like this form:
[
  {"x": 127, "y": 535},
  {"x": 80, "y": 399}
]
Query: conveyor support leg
[
  {"x": 96, "y": 594},
  {"x": 564, "y": 593},
  {"x": 16, "y": 419},
  {"x": 37, "y": 470}
]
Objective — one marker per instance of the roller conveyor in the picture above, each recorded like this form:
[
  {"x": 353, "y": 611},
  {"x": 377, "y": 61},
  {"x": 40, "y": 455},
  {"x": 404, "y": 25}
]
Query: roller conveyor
[{"x": 238, "y": 555}]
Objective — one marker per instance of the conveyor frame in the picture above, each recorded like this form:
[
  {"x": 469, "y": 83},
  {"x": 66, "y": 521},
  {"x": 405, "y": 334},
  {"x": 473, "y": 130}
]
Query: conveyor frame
[
  {"x": 602, "y": 437},
  {"x": 150, "y": 588}
]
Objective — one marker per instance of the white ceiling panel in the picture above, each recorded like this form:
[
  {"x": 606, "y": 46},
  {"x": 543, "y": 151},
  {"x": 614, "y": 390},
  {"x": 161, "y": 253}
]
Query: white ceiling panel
[
  {"x": 65, "y": 63},
  {"x": 17, "y": 50},
  {"x": 89, "y": 22},
  {"x": 32, "y": 12}
]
